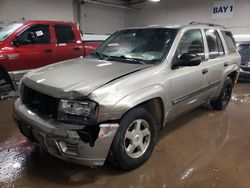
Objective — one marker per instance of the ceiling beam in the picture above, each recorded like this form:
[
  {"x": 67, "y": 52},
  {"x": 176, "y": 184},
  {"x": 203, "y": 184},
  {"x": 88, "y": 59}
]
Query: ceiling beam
[
  {"x": 104, "y": 3},
  {"x": 134, "y": 2}
]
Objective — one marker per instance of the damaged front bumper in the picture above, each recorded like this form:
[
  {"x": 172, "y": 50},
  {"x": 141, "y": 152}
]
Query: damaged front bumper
[{"x": 62, "y": 140}]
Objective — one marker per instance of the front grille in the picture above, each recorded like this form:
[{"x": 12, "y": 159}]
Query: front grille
[{"x": 39, "y": 102}]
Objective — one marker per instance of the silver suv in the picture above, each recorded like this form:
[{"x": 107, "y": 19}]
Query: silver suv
[{"x": 113, "y": 104}]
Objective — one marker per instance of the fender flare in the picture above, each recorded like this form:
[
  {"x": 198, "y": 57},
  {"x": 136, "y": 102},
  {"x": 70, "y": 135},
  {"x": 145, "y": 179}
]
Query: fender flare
[
  {"x": 139, "y": 97},
  {"x": 225, "y": 75}
]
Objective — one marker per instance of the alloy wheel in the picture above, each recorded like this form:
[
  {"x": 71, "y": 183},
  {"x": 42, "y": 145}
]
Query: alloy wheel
[{"x": 137, "y": 138}]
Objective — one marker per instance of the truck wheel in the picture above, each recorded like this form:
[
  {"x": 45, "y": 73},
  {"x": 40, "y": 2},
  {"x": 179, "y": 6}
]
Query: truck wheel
[
  {"x": 134, "y": 140},
  {"x": 225, "y": 95},
  {"x": 5, "y": 82}
]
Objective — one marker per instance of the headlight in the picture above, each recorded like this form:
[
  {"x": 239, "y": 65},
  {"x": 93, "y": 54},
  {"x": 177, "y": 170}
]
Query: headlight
[{"x": 78, "y": 112}]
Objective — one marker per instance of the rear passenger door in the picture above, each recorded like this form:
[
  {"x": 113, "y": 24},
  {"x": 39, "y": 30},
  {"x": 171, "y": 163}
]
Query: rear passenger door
[
  {"x": 230, "y": 44},
  {"x": 216, "y": 58},
  {"x": 67, "y": 47}
]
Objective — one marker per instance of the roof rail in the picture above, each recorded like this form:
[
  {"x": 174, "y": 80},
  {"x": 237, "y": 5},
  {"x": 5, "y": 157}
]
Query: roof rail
[{"x": 209, "y": 24}]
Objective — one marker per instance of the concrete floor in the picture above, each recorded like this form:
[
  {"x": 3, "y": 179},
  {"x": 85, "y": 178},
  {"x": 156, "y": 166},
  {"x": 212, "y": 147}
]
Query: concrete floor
[{"x": 203, "y": 148}]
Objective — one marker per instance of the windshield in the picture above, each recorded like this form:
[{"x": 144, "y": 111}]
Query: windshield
[
  {"x": 137, "y": 45},
  {"x": 7, "y": 30}
]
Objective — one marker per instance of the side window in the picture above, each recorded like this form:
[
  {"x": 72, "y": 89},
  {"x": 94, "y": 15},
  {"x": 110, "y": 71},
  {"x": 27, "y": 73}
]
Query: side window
[
  {"x": 36, "y": 34},
  {"x": 191, "y": 43},
  {"x": 64, "y": 34},
  {"x": 214, "y": 42},
  {"x": 229, "y": 41}
]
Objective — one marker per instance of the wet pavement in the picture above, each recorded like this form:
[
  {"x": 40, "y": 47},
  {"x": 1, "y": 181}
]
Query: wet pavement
[{"x": 203, "y": 149}]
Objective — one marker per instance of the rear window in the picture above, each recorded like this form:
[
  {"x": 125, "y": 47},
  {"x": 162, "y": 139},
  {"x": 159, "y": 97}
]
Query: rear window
[
  {"x": 64, "y": 34},
  {"x": 231, "y": 45}
]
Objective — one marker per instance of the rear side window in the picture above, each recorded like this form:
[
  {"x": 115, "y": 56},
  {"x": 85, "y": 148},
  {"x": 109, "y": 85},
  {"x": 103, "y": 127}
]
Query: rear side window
[
  {"x": 191, "y": 43},
  {"x": 36, "y": 34},
  {"x": 231, "y": 45},
  {"x": 64, "y": 34},
  {"x": 215, "y": 45}
]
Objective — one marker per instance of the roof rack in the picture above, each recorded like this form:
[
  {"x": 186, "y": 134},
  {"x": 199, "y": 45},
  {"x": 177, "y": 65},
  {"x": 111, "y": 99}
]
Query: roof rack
[{"x": 209, "y": 24}]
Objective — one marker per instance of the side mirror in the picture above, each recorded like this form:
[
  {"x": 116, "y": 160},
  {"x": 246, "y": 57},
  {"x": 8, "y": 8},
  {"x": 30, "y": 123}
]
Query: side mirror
[
  {"x": 16, "y": 42},
  {"x": 188, "y": 60}
]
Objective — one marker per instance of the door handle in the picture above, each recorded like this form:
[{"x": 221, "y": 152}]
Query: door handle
[
  {"x": 226, "y": 64},
  {"x": 47, "y": 51},
  {"x": 204, "y": 71},
  {"x": 77, "y": 48}
]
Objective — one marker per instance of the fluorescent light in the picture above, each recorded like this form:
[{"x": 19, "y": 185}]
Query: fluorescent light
[{"x": 155, "y": 1}]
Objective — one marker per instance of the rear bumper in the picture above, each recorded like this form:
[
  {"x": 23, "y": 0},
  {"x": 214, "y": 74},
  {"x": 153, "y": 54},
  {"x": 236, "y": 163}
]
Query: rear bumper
[
  {"x": 244, "y": 75},
  {"x": 62, "y": 140}
]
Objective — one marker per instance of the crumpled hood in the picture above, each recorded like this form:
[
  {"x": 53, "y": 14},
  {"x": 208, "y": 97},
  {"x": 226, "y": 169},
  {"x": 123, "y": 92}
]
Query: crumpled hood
[{"x": 77, "y": 77}]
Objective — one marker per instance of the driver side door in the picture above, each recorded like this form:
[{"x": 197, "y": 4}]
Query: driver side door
[
  {"x": 189, "y": 84},
  {"x": 32, "y": 52}
]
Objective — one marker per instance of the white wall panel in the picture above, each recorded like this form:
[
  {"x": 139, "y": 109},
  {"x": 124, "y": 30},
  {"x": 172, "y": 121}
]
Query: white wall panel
[
  {"x": 97, "y": 19},
  {"x": 11, "y": 10},
  {"x": 100, "y": 19},
  {"x": 172, "y": 12}
]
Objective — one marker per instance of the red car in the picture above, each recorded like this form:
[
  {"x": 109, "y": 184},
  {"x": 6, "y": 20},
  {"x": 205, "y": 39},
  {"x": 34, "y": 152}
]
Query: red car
[{"x": 33, "y": 44}]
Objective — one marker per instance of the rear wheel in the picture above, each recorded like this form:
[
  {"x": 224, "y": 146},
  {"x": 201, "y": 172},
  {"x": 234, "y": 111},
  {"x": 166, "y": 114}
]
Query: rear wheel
[
  {"x": 225, "y": 95},
  {"x": 134, "y": 140}
]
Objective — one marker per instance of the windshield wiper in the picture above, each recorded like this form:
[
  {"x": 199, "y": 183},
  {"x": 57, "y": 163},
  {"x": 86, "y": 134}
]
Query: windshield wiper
[
  {"x": 123, "y": 57},
  {"x": 99, "y": 55},
  {"x": 133, "y": 60}
]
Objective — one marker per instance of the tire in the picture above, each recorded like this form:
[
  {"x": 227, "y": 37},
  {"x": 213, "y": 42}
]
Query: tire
[
  {"x": 6, "y": 84},
  {"x": 224, "y": 97},
  {"x": 140, "y": 140}
]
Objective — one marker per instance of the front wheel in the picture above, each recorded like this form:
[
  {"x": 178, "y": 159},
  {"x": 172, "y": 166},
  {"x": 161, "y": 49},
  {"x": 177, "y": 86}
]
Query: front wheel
[
  {"x": 6, "y": 85},
  {"x": 225, "y": 95},
  {"x": 134, "y": 140}
]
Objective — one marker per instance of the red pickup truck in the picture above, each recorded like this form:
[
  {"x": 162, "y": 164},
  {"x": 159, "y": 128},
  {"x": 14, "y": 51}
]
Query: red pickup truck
[{"x": 33, "y": 44}]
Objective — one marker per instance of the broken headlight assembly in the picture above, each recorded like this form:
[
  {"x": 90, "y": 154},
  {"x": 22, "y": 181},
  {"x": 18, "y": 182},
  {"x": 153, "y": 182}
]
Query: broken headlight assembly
[{"x": 78, "y": 112}]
